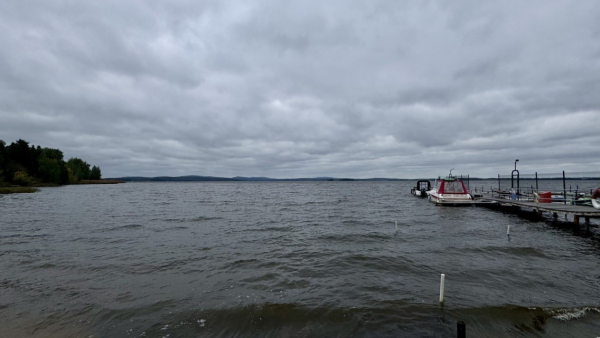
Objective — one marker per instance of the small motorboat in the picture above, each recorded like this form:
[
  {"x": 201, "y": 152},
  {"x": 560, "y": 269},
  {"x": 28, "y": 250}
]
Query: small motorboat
[
  {"x": 450, "y": 191},
  {"x": 421, "y": 189},
  {"x": 593, "y": 201}
]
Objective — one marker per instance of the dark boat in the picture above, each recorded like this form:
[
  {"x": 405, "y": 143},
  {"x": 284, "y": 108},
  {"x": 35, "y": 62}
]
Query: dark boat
[{"x": 421, "y": 189}]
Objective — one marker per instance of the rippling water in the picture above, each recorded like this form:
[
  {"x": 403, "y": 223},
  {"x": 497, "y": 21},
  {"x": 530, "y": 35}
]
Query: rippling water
[{"x": 286, "y": 259}]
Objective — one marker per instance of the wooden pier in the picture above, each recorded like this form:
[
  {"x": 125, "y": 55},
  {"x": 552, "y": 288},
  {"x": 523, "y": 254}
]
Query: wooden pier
[{"x": 577, "y": 211}]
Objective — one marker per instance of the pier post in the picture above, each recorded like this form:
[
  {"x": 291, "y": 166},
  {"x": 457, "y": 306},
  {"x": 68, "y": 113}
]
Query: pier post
[
  {"x": 576, "y": 219},
  {"x": 442, "y": 278},
  {"x": 587, "y": 219},
  {"x": 500, "y": 189},
  {"x": 461, "y": 329},
  {"x": 512, "y": 178},
  {"x": 564, "y": 188}
]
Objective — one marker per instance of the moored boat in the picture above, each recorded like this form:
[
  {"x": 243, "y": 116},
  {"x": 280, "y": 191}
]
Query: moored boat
[
  {"x": 421, "y": 189},
  {"x": 450, "y": 191}
]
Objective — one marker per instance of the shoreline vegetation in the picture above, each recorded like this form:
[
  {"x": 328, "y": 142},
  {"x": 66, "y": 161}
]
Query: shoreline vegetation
[
  {"x": 23, "y": 168},
  {"x": 17, "y": 190}
]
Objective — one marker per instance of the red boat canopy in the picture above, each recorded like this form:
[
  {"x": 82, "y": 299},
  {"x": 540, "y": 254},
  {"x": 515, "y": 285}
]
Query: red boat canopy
[{"x": 451, "y": 186}]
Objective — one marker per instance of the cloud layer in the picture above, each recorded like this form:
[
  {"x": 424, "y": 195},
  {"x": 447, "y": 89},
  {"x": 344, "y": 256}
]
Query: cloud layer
[{"x": 307, "y": 88}]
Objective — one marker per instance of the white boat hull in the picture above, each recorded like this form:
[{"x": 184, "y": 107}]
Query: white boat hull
[{"x": 450, "y": 199}]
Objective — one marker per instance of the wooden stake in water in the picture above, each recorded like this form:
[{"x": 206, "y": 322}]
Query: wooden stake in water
[
  {"x": 396, "y": 226},
  {"x": 508, "y": 230},
  {"x": 443, "y": 277},
  {"x": 461, "y": 329}
]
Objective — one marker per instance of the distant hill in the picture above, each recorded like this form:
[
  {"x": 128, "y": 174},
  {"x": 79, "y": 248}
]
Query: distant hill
[{"x": 174, "y": 179}]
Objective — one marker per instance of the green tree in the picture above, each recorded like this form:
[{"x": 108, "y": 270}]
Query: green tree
[
  {"x": 21, "y": 178},
  {"x": 95, "y": 174},
  {"x": 71, "y": 178},
  {"x": 79, "y": 168},
  {"x": 21, "y": 157},
  {"x": 52, "y": 168}
]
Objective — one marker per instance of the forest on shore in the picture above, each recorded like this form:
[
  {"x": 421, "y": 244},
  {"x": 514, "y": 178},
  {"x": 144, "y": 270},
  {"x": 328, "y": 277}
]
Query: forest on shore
[{"x": 25, "y": 165}]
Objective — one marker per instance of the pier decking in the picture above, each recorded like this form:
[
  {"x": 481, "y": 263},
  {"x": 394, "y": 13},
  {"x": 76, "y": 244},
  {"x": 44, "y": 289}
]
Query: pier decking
[{"x": 576, "y": 211}]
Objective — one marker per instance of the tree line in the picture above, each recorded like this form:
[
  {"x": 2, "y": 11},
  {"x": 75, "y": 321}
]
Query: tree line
[{"x": 26, "y": 165}]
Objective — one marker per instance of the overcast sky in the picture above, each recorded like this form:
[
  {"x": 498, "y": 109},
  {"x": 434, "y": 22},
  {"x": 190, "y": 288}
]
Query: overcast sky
[{"x": 289, "y": 89}]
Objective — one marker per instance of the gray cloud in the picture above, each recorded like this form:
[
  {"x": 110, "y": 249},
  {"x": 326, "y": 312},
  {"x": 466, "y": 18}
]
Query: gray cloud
[{"x": 264, "y": 88}]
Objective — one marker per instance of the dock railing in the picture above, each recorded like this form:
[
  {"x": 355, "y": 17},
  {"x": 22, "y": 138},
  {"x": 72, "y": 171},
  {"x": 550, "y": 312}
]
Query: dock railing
[{"x": 564, "y": 187}]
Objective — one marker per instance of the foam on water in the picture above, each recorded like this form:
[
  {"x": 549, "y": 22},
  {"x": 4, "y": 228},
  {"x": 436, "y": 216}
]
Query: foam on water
[{"x": 570, "y": 314}]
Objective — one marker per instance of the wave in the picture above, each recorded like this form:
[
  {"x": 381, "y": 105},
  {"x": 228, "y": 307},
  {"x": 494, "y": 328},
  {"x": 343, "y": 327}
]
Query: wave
[
  {"x": 273, "y": 229},
  {"x": 566, "y": 314},
  {"x": 528, "y": 321},
  {"x": 132, "y": 226},
  {"x": 189, "y": 220},
  {"x": 358, "y": 237},
  {"x": 24, "y": 236},
  {"x": 295, "y": 320},
  {"x": 170, "y": 228},
  {"x": 394, "y": 318},
  {"x": 517, "y": 251},
  {"x": 384, "y": 319}
]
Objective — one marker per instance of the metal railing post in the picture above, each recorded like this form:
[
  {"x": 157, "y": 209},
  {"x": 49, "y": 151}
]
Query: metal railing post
[
  {"x": 512, "y": 176},
  {"x": 564, "y": 189},
  {"x": 498, "y": 184}
]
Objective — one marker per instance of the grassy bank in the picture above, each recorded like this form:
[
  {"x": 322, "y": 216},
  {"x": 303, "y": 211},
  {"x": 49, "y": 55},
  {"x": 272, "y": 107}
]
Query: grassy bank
[
  {"x": 17, "y": 190},
  {"x": 20, "y": 190}
]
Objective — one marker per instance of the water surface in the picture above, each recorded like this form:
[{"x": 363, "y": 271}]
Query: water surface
[{"x": 295, "y": 259}]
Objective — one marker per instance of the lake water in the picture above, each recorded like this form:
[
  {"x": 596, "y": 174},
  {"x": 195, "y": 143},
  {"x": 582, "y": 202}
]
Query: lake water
[{"x": 286, "y": 259}]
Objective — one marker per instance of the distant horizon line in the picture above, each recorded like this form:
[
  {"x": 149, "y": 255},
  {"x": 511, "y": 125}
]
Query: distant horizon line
[{"x": 193, "y": 178}]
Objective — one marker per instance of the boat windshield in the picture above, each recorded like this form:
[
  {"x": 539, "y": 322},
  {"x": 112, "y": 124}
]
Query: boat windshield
[{"x": 453, "y": 187}]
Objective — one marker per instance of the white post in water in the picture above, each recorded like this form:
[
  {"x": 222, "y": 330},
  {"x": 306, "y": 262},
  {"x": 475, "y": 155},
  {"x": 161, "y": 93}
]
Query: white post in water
[
  {"x": 508, "y": 230},
  {"x": 442, "y": 288},
  {"x": 396, "y": 226}
]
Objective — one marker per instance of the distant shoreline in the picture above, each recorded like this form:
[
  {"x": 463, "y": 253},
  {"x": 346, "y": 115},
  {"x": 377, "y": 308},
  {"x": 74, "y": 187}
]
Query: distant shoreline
[
  {"x": 247, "y": 179},
  {"x": 102, "y": 181},
  {"x": 193, "y": 178}
]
